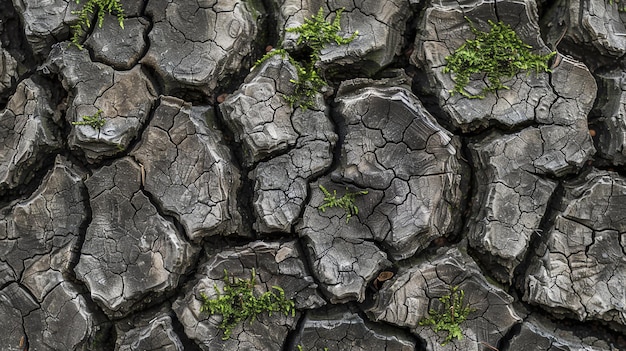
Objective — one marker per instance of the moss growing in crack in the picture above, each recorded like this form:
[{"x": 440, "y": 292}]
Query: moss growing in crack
[
  {"x": 237, "y": 303},
  {"x": 346, "y": 202},
  {"x": 314, "y": 35},
  {"x": 498, "y": 55},
  {"x": 99, "y": 8},
  {"x": 95, "y": 121},
  {"x": 282, "y": 52},
  {"x": 451, "y": 315}
]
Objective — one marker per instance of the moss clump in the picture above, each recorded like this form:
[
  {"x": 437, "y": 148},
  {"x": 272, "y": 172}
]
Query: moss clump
[
  {"x": 314, "y": 35},
  {"x": 498, "y": 55},
  {"x": 451, "y": 315},
  {"x": 346, "y": 202},
  {"x": 99, "y": 8},
  {"x": 237, "y": 303},
  {"x": 95, "y": 121}
]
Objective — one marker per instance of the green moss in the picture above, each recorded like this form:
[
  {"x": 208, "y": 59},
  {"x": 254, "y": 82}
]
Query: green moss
[
  {"x": 346, "y": 202},
  {"x": 282, "y": 52},
  {"x": 237, "y": 303},
  {"x": 99, "y": 8},
  {"x": 95, "y": 121},
  {"x": 451, "y": 315},
  {"x": 497, "y": 55},
  {"x": 314, "y": 35}
]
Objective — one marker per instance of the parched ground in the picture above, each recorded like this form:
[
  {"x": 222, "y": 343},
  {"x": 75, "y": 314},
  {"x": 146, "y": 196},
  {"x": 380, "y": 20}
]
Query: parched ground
[{"x": 110, "y": 235}]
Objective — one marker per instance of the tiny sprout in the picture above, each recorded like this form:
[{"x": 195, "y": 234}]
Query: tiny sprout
[
  {"x": 451, "y": 315},
  {"x": 346, "y": 202},
  {"x": 95, "y": 121}
]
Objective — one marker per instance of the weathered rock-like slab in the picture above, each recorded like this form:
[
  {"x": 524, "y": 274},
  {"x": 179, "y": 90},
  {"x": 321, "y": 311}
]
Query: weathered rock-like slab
[
  {"x": 124, "y": 97},
  {"x": 593, "y": 31},
  {"x": 512, "y": 187},
  {"x": 28, "y": 133},
  {"x": 63, "y": 320},
  {"x": 580, "y": 270},
  {"x": 342, "y": 328},
  {"x": 608, "y": 116},
  {"x": 66, "y": 321},
  {"x": 410, "y": 168},
  {"x": 188, "y": 169},
  {"x": 286, "y": 146},
  {"x": 156, "y": 334},
  {"x": 380, "y": 24},
  {"x": 280, "y": 191},
  {"x": 258, "y": 114},
  {"x": 38, "y": 241},
  {"x": 118, "y": 47},
  {"x": 213, "y": 40},
  {"x": 39, "y": 235},
  {"x": 15, "y": 304},
  {"x": 406, "y": 299},
  {"x": 45, "y": 22},
  {"x": 539, "y": 334},
  {"x": 531, "y": 98},
  {"x": 344, "y": 256},
  {"x": 275, "y": 264},
  {"x": 8, "y": 72},
  {"x": 281, "y": 184},
  {"x": 101, "y": 250},
  {"x": 131, "y": 254},
  {"x": 508, "y": 207},
  {"x": 394, "y": 145},
  {"x": 444, "y": 28}
]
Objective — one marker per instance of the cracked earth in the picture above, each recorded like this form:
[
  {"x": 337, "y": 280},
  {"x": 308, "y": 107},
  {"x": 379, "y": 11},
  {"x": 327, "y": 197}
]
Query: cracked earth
[{"x": 109, "y": 236}]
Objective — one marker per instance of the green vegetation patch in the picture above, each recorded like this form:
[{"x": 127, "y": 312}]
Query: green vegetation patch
[
  {"x": 95, "y": 121},
  {"x": 314, "y": 35},
  {"x": 450, "y": 317},
  {"x": 99, "y": 8},
  {"x": 346, "y": 202},
  {"x": 498, "y": 55},
  {"x": 237, "y": 303}
]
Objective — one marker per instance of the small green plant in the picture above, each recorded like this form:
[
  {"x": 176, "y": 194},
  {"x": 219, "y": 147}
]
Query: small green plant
[
  {"x": 346, "y": 202},
  {"x": 499, "y": 54},
  {"x": 95, "y": 121},
  {"x": 98, "y": 7},
  {"x": 314, "y": 34},
  {"x": 451, "y": 316},
  {"x": 237, "y": 303}
]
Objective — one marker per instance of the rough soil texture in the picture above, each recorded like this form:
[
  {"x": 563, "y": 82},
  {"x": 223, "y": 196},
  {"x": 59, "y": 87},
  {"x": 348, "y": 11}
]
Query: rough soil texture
[{"x": 111, "y": 235}]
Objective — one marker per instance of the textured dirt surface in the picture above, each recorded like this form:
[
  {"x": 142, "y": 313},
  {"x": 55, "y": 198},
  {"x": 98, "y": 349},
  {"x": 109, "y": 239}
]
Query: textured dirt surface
[{"x": 110, "y": 235}]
